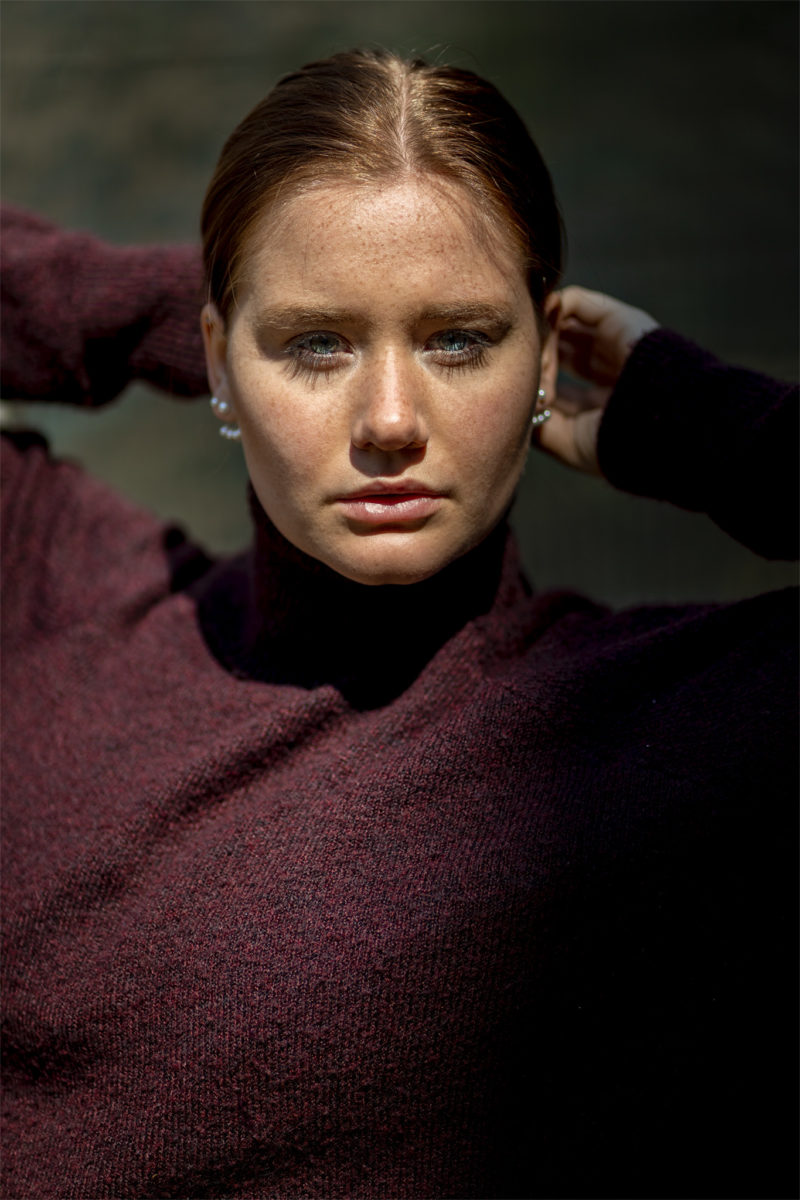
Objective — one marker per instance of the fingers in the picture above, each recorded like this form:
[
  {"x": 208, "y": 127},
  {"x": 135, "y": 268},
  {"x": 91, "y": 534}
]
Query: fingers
[
  {"x": 573, "y": 397},
  {"x": 582, "y": 307},
  {"x": 584, "y": 311},
  {"x": 581, "y": 353},
  {"x": 572, "y": 439},
  {"x": 597, "y": 334}
]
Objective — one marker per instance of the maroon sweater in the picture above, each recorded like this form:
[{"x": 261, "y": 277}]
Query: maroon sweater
[{"x": 505, "y": 910}]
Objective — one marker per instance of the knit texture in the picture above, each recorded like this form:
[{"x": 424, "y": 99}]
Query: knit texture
[
  {"x": 82, "y": 318},
  {"x": 709, "y": 437},
  {"x": 316, "y": 890}
]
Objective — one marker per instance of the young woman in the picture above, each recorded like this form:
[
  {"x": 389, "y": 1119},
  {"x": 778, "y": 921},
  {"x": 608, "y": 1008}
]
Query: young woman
[{"x": 348, "y": 867}]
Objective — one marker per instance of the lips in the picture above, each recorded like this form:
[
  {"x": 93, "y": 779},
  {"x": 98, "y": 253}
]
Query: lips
[
  {"x": 391, "y": 502},
  {"x": 377, "y": 488}
]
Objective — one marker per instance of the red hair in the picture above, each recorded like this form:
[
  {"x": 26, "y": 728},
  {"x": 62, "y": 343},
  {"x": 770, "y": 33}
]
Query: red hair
[{"x": 370, "y": 117}]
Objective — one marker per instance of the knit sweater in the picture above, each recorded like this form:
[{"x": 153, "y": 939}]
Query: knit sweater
[{"x": 499, "y": 906}]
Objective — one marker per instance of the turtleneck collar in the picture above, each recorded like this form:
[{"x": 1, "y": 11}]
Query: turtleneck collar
[{"x": 277, "y": 615}]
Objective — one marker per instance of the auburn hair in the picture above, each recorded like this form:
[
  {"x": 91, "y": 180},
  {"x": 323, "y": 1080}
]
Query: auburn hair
[{"x": 369, "y": 116}]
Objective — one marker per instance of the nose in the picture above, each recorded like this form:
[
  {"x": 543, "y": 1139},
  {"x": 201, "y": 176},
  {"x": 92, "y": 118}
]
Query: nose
[{"x": 389, "y": 415}]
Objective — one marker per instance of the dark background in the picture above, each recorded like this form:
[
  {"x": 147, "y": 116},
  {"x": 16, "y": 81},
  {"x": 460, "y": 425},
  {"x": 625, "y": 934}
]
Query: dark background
[{"x": 671, "y": 133}]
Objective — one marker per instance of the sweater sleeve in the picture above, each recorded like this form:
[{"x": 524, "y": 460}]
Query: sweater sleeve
[
  {"x": 683, "y": 426},
  {"x": 82, "y": 318}
]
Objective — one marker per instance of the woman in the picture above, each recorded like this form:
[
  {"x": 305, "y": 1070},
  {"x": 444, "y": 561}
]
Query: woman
[{"x": 348, "y": 867}]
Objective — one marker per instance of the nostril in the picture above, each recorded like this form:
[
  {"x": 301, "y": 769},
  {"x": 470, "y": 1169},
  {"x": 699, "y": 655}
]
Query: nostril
[
  {"x": 392, "y": 430},
  {"x": 371, "y": 458}
]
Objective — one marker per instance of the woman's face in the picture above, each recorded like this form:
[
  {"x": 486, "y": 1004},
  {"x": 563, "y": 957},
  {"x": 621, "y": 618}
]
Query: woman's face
[{"x": 382, "y": 361}]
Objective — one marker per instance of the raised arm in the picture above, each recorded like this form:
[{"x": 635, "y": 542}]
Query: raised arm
[
  {"x": 82, "y": 318},
  {"x": 663, "y": 418}
]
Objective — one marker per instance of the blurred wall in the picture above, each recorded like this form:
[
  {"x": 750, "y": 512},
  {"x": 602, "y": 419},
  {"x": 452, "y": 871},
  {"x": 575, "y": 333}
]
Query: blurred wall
[{"x": 671, "y": 133}]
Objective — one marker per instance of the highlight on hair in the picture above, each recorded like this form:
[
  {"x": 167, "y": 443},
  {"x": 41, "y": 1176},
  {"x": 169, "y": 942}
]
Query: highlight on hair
[{"x": 371, "y": 117}]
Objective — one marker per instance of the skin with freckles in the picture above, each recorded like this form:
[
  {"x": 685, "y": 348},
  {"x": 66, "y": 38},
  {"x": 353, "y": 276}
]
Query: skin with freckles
[{"x": 382, "y": 362}]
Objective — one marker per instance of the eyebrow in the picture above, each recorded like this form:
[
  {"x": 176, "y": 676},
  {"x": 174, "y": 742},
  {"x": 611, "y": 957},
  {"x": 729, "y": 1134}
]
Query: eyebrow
[
  {"x": 465, "y": 314},
  {"x": 293, "y": 316}
]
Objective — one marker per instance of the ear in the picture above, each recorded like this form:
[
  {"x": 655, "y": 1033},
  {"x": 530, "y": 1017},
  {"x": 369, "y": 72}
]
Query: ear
[
  {"x": 215, "y": 342},
  {"x": 549, "y": 363}
]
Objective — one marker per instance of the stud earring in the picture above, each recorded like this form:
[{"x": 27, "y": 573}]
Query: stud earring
[
  {"x": 539, "y": 418},
  {"x": 222, "y": 409}
]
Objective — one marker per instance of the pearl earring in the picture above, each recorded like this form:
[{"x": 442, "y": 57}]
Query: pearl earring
[
  {"x": 222, "y": 409},
  {"x": 539, "y": 418}
]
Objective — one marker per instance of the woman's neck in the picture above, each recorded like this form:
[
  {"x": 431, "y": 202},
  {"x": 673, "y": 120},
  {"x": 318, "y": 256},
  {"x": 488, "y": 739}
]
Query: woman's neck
[{"x": 278, "y": 615}]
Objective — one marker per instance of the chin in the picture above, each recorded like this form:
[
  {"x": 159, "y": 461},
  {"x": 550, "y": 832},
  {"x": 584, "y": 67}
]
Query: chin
[
  {"x": 387, "y": 575},
  {"x": 396, "y": 566},
  {"x": 394, "y": 579}
]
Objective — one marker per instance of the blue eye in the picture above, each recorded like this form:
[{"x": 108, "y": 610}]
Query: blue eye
[
  {"x": 316, "y": 353},
  {"x": 453, "y": 348},
  {"x": 454, "y": 340},
  {"x": 321, "y": 343}
]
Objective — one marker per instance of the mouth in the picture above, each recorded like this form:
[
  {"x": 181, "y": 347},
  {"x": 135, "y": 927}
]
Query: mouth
[{"x": 391, "y": 502}]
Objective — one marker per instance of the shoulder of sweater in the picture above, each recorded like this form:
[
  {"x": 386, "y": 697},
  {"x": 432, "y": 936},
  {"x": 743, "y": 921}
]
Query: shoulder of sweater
[
  {"x": 574, "y": 639},
  {"x": 705, "y": 694}
]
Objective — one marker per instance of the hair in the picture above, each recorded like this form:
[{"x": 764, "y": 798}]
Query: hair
[{"x": 371, "y": 117}]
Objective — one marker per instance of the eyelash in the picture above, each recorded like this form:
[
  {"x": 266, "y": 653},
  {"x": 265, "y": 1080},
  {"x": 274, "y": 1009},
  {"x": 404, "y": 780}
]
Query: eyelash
[
  {"x": 472, "y": 356},
  {"x": 311, "y": 365},
  {"x": 303, "y": 361}
]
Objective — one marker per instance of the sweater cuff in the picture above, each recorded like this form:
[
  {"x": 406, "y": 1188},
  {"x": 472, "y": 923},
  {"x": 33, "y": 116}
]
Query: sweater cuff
[{"x": 680, "y": 422}]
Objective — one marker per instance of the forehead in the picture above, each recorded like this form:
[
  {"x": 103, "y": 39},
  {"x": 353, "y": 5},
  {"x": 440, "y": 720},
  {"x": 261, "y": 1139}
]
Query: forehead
[{"x": 414, "y": 242}]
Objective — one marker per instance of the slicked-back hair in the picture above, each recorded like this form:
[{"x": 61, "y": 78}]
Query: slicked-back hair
[{"x": 371, "y": 117}]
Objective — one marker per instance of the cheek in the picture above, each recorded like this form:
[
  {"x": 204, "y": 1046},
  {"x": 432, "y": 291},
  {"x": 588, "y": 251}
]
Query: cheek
[
  {"x": 496, "y": 424},
  {"x": 284, "y": 439}
]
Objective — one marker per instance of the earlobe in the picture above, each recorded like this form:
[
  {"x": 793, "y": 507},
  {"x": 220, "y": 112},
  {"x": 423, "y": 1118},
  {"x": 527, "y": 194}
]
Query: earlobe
[{"x": 215, "y": 343}]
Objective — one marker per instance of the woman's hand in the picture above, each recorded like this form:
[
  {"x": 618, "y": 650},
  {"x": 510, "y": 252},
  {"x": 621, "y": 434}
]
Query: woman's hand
[{"x": 596, "y": 334}]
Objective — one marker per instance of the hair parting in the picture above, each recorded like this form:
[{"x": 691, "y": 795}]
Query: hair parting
[{"x": 368, "y": 117}]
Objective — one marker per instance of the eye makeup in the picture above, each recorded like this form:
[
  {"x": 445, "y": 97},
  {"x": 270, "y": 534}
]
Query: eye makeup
[
  {"x": 321, "y": 352},
  {"x": 449, "y": 337},
  {"x": 316, "y": 353},
  {"x": 454, "y": 349}
]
